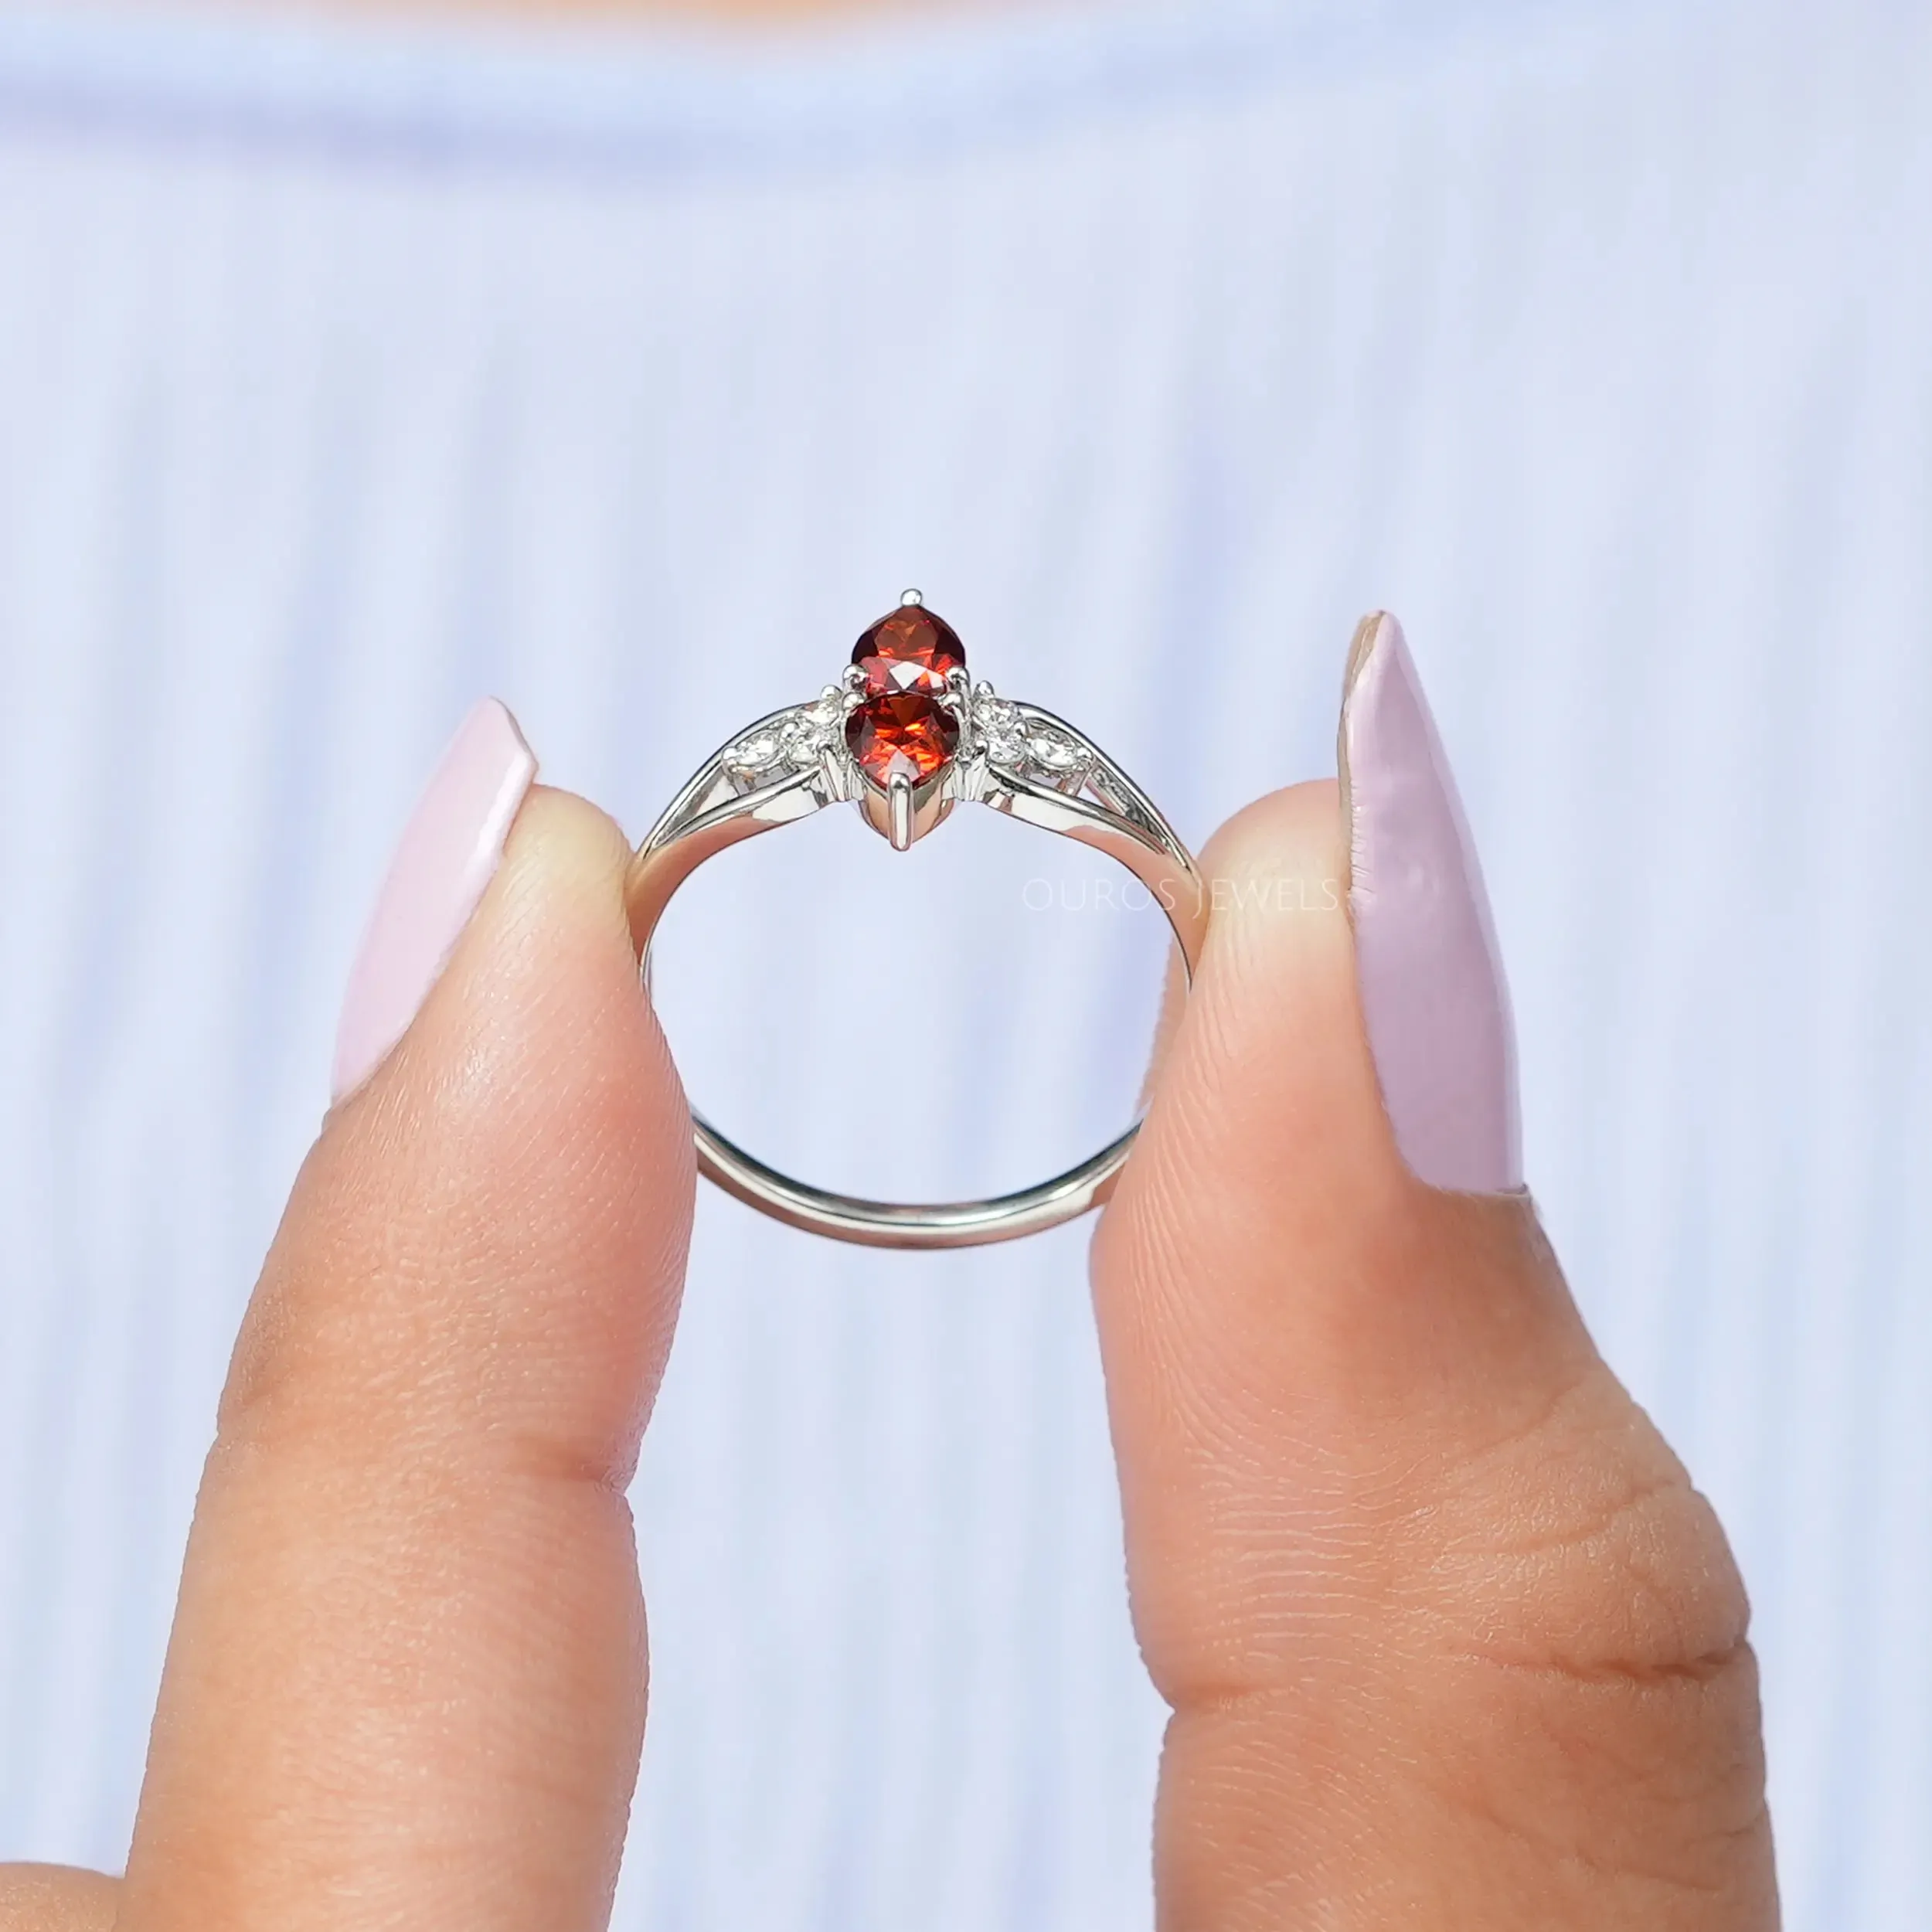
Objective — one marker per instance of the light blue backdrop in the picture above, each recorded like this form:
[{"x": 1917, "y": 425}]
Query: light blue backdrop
[{"x": 344, "y": 375}]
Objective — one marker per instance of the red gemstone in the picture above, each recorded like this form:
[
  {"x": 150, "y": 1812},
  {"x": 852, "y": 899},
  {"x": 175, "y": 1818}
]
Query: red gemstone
[
  {"x": 900, "y": 734},
  {"x": 912, "y": 650}
]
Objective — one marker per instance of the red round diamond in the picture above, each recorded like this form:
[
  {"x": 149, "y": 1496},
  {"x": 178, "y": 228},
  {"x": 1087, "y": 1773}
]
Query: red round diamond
[
  {"x": 912, "y": 650},
  {"x": 900, "y": 734}
]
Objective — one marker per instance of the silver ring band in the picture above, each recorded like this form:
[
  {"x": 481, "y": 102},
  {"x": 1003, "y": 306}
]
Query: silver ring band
[{"x": 905, "y": 737}]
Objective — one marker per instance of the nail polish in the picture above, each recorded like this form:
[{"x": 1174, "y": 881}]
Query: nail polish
[
  {"x": 448, "y": 854},
  {"x": 1433, "y": 998}
]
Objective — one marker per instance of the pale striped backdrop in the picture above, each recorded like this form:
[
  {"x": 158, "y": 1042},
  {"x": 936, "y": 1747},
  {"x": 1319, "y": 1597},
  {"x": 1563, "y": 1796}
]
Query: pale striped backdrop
[{"x": 345, "y": 374}]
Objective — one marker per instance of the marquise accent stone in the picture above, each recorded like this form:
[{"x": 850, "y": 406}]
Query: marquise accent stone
[
  {"x": 1053, "y": 754},
  {"x": 754, "y": 753}
]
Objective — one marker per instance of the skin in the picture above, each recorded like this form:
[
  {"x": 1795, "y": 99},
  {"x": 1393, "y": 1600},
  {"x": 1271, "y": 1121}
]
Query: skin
[{"x": 1449, "y": 1639}]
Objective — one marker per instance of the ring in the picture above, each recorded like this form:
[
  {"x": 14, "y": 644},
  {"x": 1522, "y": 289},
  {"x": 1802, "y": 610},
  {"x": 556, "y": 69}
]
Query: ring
[{"x": 906, "y": 736}]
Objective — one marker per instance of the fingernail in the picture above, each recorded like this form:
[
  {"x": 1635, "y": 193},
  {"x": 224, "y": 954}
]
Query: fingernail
[
  {"x": 1432, "y": 992},
  {"x": 449, "y": 853}
]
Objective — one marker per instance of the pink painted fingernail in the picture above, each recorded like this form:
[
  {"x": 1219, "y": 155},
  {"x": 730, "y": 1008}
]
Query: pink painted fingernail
[
  {"x": 449, "y": 853},
  {"x": 1432, "y": 992}
]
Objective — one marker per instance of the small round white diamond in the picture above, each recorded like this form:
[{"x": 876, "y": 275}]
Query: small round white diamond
[
  {"x": 999, "y": 724},
  {"x": 805, "y": 735}
]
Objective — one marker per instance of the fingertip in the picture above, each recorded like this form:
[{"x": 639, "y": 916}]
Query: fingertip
[
  {"x": 522, "y": 1160},
  {"x": 561, "y": 843},
  {"x": 1299, "y": 825},
  {"x": 1435, "y": 997},
  {"x": 545, "y": 973},
  {"x": 443, "y": 863},
  {"x": 1263, "y": 1067},
  {"x": 1271, "y": 1273},
  {"x": 1283, "y": 853}
]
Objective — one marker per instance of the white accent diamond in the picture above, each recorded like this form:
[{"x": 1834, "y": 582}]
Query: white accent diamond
[
  {"x": 804, "y": 736},
  {"x": 1053, "y": 752},
  {"x": 999, "y": 724},
  {"x": 754, "y": 753}
]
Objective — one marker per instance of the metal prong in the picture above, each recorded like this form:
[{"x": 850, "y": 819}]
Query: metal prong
[
  {"x": 909, "y": 597},
  {"x": 959, "y": 701},
  {"x": 898, "y": 802},
  {"x": 830, "y": 774}
]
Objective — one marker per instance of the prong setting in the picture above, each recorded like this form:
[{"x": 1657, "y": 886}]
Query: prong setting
[
  {"x": 899, "y": 813},
  {"x": 930, "y": 736},
  {"x": 930, "y": 740}
]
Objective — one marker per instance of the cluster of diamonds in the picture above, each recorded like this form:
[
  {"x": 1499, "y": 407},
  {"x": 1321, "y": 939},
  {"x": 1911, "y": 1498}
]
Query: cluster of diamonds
[
  {"x": 792, "y": 741},
  {"x": 1027, "y": 746}
]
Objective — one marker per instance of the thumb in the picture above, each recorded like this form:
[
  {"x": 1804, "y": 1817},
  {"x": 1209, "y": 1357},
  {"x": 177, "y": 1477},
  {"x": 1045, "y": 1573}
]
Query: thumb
[
  {"x": 1449, "y": 1638},
  {"x": 406, "y": 1681}
]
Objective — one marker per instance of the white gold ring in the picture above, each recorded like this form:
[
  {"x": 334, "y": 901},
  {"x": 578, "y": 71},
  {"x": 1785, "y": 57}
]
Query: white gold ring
[{"x": 906, "y": 736}]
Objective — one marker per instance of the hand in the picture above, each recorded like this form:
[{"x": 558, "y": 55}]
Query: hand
[{"x": 1449, "y": 1639}]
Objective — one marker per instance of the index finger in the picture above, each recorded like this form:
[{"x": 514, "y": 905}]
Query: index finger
[{"x": 406, "y": 1685}]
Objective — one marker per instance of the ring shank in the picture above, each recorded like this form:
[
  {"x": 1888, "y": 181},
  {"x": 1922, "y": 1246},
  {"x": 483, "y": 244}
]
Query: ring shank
[
  {"x": 707, "y": 816},
  {"x": 886, "y": 1224}
]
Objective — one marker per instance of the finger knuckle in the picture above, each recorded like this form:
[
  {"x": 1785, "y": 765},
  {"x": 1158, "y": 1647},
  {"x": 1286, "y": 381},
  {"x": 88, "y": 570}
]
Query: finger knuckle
[
  {"x": 1584, "y": 1549},
  {"x": 1585, "y": 1598}
]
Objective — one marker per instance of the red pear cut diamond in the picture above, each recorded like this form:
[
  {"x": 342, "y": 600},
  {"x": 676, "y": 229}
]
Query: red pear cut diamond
[
  {"x": 912, "y": 650},
  {"x": 901, "y": 734}
]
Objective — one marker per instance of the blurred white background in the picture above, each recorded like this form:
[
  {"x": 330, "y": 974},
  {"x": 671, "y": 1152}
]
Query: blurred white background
[{"x": 346, "y": 372}]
